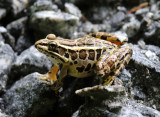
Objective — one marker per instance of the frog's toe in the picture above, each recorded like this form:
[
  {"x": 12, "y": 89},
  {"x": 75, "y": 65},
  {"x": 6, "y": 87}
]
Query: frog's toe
[
  {"x": 117, "y": 81},
  {"x": 46, "y": 79},
  {"x": 46, "y": 82}
]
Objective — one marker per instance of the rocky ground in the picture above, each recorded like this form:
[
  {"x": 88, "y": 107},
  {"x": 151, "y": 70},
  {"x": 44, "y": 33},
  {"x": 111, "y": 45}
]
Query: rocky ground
[{"x": 22, "y": 22}]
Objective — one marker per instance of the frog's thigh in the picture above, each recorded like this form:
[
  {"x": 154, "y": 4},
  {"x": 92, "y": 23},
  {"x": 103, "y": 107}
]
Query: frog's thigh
[
  {"x": 108, "y": 68},
  {"x": 59, "y": 83},
  {"x": 108, "y": 37},
  {"x": 51, "y": 75}
]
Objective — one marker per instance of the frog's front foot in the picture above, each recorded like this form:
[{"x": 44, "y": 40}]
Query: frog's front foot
[
  {"x": 46, "y": 79},
  {"x": 50, "y": 77}
]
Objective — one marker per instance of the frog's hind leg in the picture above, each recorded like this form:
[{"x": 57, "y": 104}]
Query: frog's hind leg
[
  {"x": 113, "y": 38},
  {"x": 110, "y": 67},
  {"x": 50, "y": 77}
]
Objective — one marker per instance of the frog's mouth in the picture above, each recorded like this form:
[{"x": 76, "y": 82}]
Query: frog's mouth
[{"x": 49, "y": 51}]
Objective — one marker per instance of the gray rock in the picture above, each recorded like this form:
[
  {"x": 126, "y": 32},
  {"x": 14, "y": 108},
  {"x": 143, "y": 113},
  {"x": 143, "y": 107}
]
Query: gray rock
[
  {"x": 61, "y": 24},
  {"x": 88, "y": 27},
  {"x": 150, "y": 29},
  {"x": 154, "y": 49},
  {"x": 3, "y": 29},
  {"x": 115, "y": 104},
  {"x": 17, "y": 27},
  {"x": 7, "y": 37},
  {"x": 16, "y": 7},
  {"x": 3, "y": 114},
  {"x": 146, "y": 58},
  {"x": 142, "y": 11},
  {"x": 23, "y": 43},
  {"x": 2, "y": 13},
  {"x": 29, "y": 98},
  {"x": 117, "y": 19},
  {"x": 145, "y": 70},
  {"x": 7, "y": 57},
  {"x": 72, "y": 9},
  {"x": 41, "y": 5},
  {"x": 30, "y": 60},
  {"x": 132, "y": 27}
]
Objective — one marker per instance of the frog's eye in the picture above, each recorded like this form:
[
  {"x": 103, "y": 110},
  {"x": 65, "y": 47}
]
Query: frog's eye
[
  {"x": 52, "y": 46},
  {"x": 51, "y": 36}
]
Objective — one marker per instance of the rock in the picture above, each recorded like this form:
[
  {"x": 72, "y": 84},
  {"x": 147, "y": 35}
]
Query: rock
[
  {"x": 146, "y": 58},
  {"x": 3, "y": 114},
  {"x": 30, "y": 60},
  {"x": 41, "y": 5},
  {"x": 131, "y": 28},
  {"x": 16, "y": 7},
  {"x": 145, "y": 69},
  {"x": 112, "y": 105},
  {"x": 154, "y": 49},
  {"x": 2, "y": 13},
  {"x": 3, "y": 29},
  {"x": 29, "y": 98},
  {"x": 72, "y": 9},
  {"x": 150, "y": 29},
  {"x": 45, "y": 22},
  {"x": 23, "y": 43},
  {"x": 17, "y": 27},
  {"x": 8, "y": 38},
  {"x": 117, "y": 19},
  {"x": 7, "y": 57},
  {"x": 88, "y": 27}
]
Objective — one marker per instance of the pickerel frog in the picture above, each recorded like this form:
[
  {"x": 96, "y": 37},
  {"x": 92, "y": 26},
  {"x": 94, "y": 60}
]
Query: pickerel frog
[{"x": 99, "y": 53}]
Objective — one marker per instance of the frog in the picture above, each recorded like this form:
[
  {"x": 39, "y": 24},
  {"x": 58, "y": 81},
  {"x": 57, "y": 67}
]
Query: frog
[{"x": 99, "y": 53}]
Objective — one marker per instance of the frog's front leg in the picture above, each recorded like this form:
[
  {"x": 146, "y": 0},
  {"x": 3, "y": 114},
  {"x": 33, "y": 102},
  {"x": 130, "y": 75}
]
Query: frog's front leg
[
  {"x": 51, "y": 76},
  {"x": 59, "y": 82},
  {"x": 109, "y": 67}
]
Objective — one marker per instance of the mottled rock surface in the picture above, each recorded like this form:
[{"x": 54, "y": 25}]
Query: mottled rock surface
[
  {"x": 29, "y": 98},
  {"x": 7, "y": 57},
  {"x": 59, "y": 23}
]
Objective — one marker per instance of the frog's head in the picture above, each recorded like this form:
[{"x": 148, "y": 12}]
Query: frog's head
[
  {"x": 47, "y": 44},
  {"x": 50, "y": 47}
]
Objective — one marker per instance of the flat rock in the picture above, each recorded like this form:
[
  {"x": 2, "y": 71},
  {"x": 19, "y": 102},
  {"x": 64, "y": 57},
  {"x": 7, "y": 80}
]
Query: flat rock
[{"x": 45, "y": 22}]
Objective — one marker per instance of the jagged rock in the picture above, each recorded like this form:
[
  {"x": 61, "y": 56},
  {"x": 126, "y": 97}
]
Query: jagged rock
[
  {"x": 8, "y": 38},
  {"x": 16, "y": 7},
  {"x": 7, "y": 57},
  {"x": 17, "y": 27},
  {"x": 114, "y": 103},
  {"x": 23, "y": 43},
  {"x": 144, "y": 68},
  {"x": 27, "y": 62},
  {"x": 131, "y": 28},
  {"x": 29, "y": 98}
]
